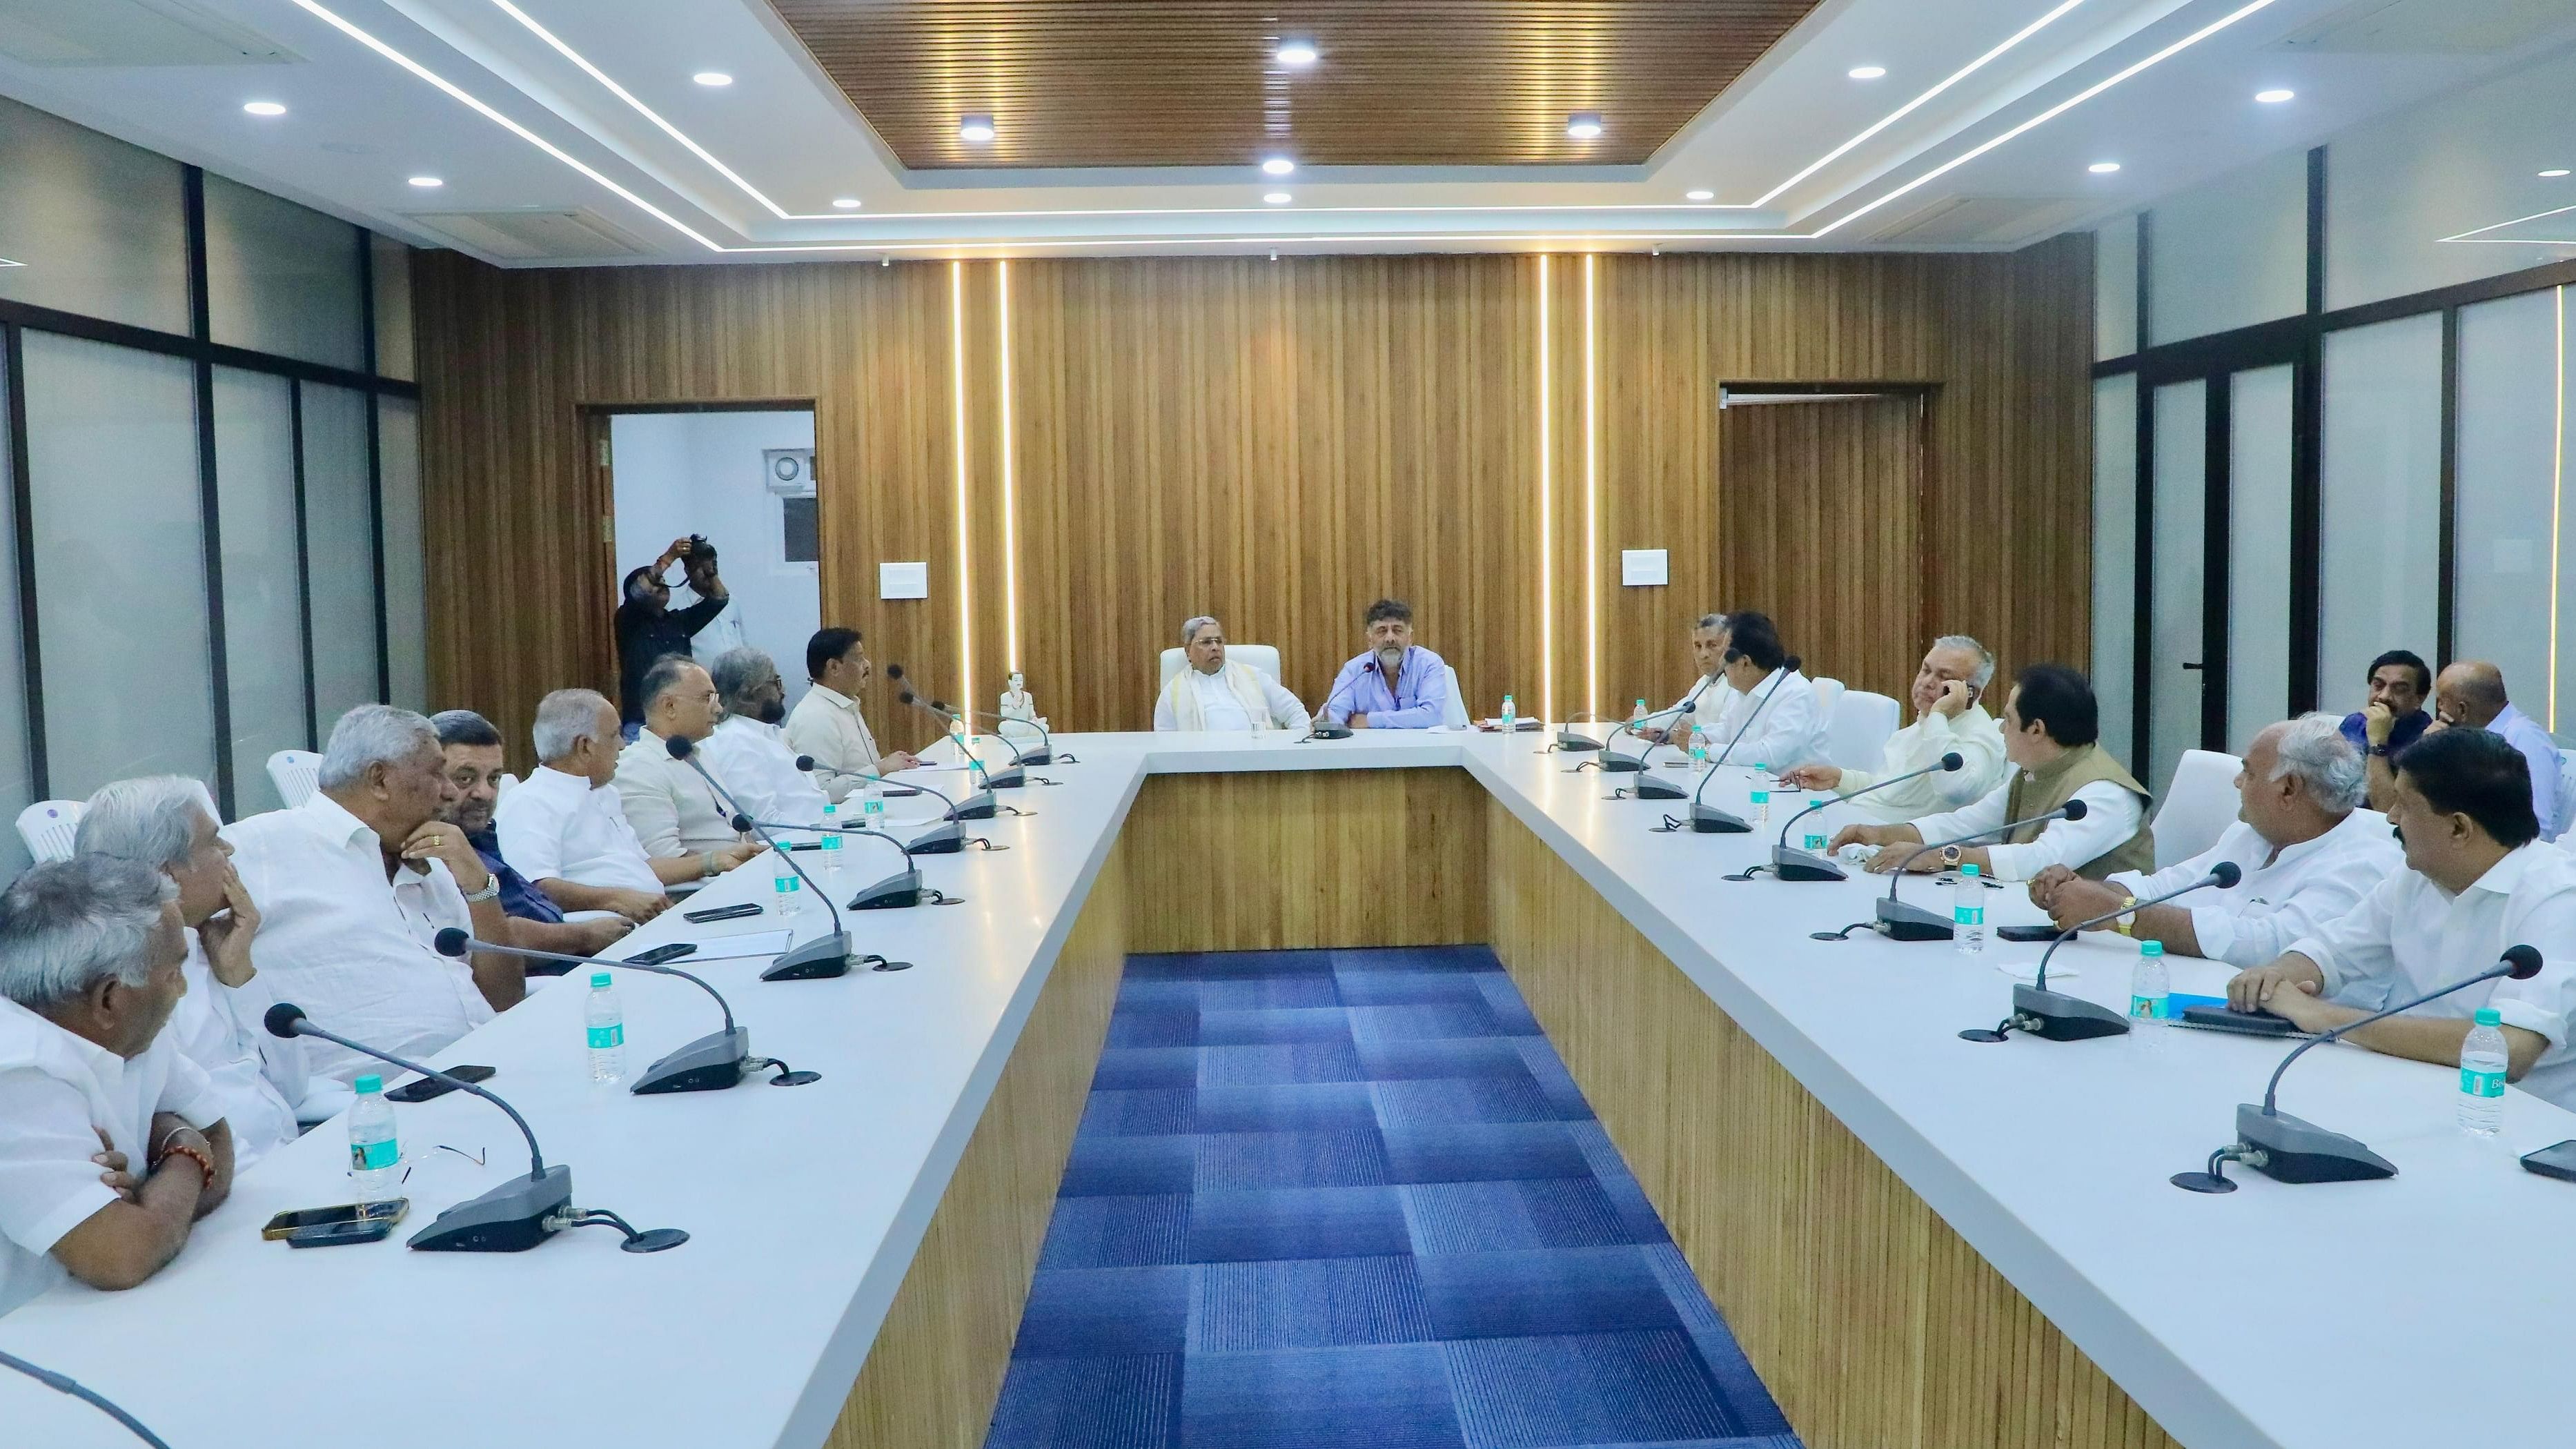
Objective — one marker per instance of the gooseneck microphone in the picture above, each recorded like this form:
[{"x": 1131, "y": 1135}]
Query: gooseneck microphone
[
  {"x": 1790, "y": 864},
  {"x": 896, "y": 891},
  {"x": 1322, "y": 727},
  {"x": 1044, "y": 754},
  {"x": 825, "y": 955},
  {"x": 2286, "y": 1149},
  {"x": 66, "y": 1384},
  {"x": 1010, "y": 778},
  {"x": 1613, "y": 762},
  {"x": 511, "y": 1218},
  {"x": 1902, "y": 921},
  {"x": 1707, "y": 819},
  {"x": 2056, "y": 1016},
  {"x": 709, "y": 1064}
]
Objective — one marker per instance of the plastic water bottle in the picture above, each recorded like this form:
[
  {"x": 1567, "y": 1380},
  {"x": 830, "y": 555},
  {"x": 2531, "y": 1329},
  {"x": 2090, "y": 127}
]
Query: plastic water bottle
[
  {"x": 872, "y": 803},
  {"x": 1699, "y": 745},
  {"x": 2150, "y": 986},
  {"x": 1761, "y": 807},
  {"x": 1762, "y": 775},
  {"x": 1637, "y": 716},
  {"x": 957, "y": 732},
  {"x": 1511, "y": 715},
  {"x": 1968, "y": 913},
  {"x": 1813, "y": 842},
  {"x": 375, "y": 1157},
  {"x": 2482, "y": 1066},
  {"x": 832, "y": 849},
  {"x": 786, "y": 890},
  {"x": 974, "y": 773},
  {"x": 606, "y": 1017}
]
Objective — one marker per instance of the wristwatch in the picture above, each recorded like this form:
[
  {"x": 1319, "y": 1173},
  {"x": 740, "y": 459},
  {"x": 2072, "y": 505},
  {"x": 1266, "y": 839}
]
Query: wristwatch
[
  {"x": 491, "y": 888},
  {"x": 1950, "y": 855},
  {"x": 2127, "y": 924},
  {"x": 707, "y": 868}
]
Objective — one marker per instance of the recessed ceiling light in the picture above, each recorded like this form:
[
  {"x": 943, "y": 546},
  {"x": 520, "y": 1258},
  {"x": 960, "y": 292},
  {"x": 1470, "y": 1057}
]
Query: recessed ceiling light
[
  {"x": 1699, "y": 195},
  {"x": 427, "y": 183},
  {"x": 977, "y": 128},
  {"x": 2103, "y": 168},
  {"x": 1278, "y": 198},
  {"x": 1278, "y": 166},
  {"x": 1866, "y": 72},
  {"x": 265, "y": 108},
  {"x": 2274, "y": 97},
  {"x": 712, "y": 78},
  {"x": 2555, "y": 172},
  {"x": 1583, "y": 125},
  {"x": 846, "y": 203},
  {"x": 1296, "y": 52}
]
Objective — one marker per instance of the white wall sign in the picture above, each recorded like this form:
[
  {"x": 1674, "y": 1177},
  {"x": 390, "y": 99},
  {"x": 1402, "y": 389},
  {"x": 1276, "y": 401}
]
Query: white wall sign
[
  {"x": 1641, "y": 567},
  {"x": 903, "y": 580}
]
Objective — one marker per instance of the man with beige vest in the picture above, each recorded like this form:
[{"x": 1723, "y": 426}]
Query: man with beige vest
[
  {"x": 2050, "y": 727},
  {"x": 1212, "y": 692}
]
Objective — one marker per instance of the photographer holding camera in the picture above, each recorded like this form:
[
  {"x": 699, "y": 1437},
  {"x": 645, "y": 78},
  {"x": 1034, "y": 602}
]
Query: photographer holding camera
[{"x": 648, "y": 628}]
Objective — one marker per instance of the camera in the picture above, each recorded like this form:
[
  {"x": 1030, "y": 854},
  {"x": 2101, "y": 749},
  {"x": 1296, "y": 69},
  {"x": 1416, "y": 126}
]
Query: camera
[{"x": 701, "y": 552}]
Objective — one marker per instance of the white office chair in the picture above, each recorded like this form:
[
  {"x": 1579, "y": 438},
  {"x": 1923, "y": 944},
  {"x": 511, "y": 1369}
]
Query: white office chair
[
  {"x": 1829, "y": 694},
  {"x": 502, "y": 787},
  {"x": 2199, "y": 805},
  {"x": 1456, "y": 712},
  {"x": 1264, "y": 657},
  {"x": 48, "y": 825},
  {"x": 1856, "y": 739},
  {"x": 296, "y": 774},
  {"x": 2566, "y": 794}
]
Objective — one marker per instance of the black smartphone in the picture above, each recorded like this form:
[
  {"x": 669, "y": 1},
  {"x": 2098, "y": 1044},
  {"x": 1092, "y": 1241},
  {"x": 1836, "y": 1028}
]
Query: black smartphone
[
  {"x": 429, "y": 1089},
  {"x": 2558, "y": 1160},
  {"x": 722, "y": 913},
  {"x": 334, "y": 1235},
  {"x": 2027, "y": 933},
  {"x": 388, "y": 1210},
  {"x": 660, "y": 954},
  {"x": 2228, "y": 1018}
]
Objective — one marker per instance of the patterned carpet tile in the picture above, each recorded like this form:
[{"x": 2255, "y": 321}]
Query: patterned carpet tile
[
  {"x": 1099, "y": 1402},
  {"x": 1546, "y": 1292},
  {"x": 1118, "y": 1232},
  {"x": 1607, "y": 1388},
  {"x": 1387, "y": 1396},
  {"x": 1292, "y": 1223},
  {"x": 1313, "y": 1303}
]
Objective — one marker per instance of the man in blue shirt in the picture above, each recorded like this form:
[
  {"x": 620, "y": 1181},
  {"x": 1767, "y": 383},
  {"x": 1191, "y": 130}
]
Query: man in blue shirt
[
  {"x": 1396, "y": 685},
  {"x": 2470, "y": 695},
  {"x": 2399, "y": 684},
  {"x": 473, "y": 750}
]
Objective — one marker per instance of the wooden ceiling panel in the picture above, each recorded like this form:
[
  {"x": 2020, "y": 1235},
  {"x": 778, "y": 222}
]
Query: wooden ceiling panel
[{"x": 1192, "y": 82}]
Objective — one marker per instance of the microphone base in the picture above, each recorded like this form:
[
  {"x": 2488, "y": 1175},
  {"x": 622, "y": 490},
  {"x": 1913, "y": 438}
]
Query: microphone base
[
  {"x": 709, "y": 1064},
  {"x": 1615, "y": 763},
  {"x": 511, "y": 1218},
  {"x": 1040, "y": 756},
  {"x": 2056, "y": 1016},
  {"x": 1803, "y": 865},
  {"x": 1709, "y": 820},
  {"x": 1009, "y": 777},
  {"x": 979, "y": 806},
  {"x": 1328, "y": 732},
  {"x": 1898, "y": 921},
  {"x": 944, "y": 837},
  {"x": 891, "y": 894},
  {"x": 1651, "y": 788},
  {"x": 2286, "y": 1149},
  {"x": 825, "y": 956},
  {"x": 1569, "y": 740}
]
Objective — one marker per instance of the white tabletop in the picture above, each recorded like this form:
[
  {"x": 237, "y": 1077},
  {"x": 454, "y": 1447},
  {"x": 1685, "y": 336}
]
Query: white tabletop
[{"x": 2321, "y": 1315}]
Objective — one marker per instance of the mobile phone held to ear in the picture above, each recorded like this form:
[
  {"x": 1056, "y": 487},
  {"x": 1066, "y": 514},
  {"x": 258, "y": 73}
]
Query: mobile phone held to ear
[
  {"x": 2557, "y": 1160},
  {"x": 429, "y": 1089}
]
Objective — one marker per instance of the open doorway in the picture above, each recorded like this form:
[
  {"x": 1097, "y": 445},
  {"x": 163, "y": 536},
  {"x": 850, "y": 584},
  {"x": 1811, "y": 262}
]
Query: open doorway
[{"x": 743, "y": 478}]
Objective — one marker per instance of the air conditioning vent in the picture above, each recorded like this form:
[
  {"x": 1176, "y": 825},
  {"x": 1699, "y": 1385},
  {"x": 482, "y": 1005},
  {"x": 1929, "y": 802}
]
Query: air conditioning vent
[
  {"x": 2429, "y": 27},
  {"x": 129, "y": 33},
  {"x": 790, "y": 471},
  {"x": 525, "y": 234}
]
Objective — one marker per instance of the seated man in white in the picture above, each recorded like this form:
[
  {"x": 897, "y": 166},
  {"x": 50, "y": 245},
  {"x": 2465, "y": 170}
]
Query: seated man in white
[
  {"x": 2478, "y": 879},
  {"x": 112, "y": 1142},
  {"x": 1214, "y": 693},
  {"x": 354, "y": 886},
  {"x": 1769, "y": 711},
  {"x": 167, "y": 822},
  {"x": 748, "y": 751},
  {"x": 1396, "y": 685},
  {"x": 565, "y": 826},
  {"x": 1708, "y": 690},
  {"x": 2307, "y": 852},
  {"x": 828, "y": 723},
  {"x": 2051, "y": 723},
  {"x": 1949, "y": 715},
  {"x": 676, "y": 813}
]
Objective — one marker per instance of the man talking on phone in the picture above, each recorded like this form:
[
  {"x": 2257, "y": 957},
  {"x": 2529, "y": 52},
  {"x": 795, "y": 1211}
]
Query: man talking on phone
[{"x": 1949, "y": 714}]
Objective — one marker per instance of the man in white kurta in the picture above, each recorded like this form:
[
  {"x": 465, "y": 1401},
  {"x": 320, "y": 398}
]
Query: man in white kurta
[
  {"x": 1212, "y": 692},
  {"x": 828, "y": 723},
  {"x": 1768, "y": 712},
  {"x": 749, "y": 752},
  {"x": 1949, "y": 718}
]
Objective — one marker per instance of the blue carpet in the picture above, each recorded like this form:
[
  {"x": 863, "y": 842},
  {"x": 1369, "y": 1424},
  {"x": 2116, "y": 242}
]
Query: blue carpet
[{"x": 1332, "y": 1198}]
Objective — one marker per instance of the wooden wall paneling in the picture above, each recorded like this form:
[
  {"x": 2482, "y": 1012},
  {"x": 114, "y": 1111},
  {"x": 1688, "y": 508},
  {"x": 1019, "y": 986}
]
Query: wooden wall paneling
[
  {"x": 1874, "y": 1325},
  {"x": 1662, "y": 480},
  {"x": 936, "y": 1367},
  {"x": 1308, "y": 858}
]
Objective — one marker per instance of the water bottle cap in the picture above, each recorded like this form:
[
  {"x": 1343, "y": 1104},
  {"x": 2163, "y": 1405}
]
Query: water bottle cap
[
  {"x": 2151, "y": 948},
  {"x": 1766, "y": 769},
  {"x": 2487, "y": 1016},
  {"x": 599, "y": 981},
  {"x": 369, "y": 1084},
  {"x": 1969, "y": 870}
]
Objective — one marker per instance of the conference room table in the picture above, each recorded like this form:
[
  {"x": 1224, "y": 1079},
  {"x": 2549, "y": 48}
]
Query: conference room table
[{"x": 1919, "y": 1239}]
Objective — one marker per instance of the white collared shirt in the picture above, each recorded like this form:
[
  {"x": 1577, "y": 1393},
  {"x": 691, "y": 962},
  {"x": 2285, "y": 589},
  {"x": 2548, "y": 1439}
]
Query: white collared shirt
[
  {"x": 58, "y": 1091},
  {"x": 759, "y": 771},
  {"x": 1785, "y": 733},
  {"x": 2409, "y": 936},
  {"x": 673, "y": 809},
  {"x": 1977, "y": 736},
  {"x": 558, "y": 826},
  {"x": 263, "y": 1081},
  {"x": 2540, "y": 754},
  {"x": 827, "y": 724},
  {"x": 350, "y": 947},
  {"x": 2279, "y": 898},
  {"x": 1220, "y": 710},
  {"x": 2111, "y": 816}
]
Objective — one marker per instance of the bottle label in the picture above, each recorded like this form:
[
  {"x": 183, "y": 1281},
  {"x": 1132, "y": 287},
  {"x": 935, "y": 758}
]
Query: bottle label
[
  {"x": 1968, "y": 915},
  {"x": 372, "y": 1156},
  {"x": 873, "y": 806},
  {"x": 831, "y": 843},
  {"x": 1816, "y": 846},
  {"x": 2481, "y": 1083},
  {"x": 604, "y": 1038},
  {"x": 787, "y": 885},
  {"x": 2151, "y": 1008}
]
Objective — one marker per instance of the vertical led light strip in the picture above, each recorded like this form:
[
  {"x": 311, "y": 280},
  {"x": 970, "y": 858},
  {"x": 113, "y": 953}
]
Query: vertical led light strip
[
  {"x": 965, "y": 544},
  {"x": 1591, "y": 504},
  {"x": 1010, "y": 506},
  {"x": 2557, "y": 485},
  {"x": 1546, "y": 521}
]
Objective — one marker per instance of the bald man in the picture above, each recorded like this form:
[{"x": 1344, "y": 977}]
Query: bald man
[{"x": 2470, "y": 694}]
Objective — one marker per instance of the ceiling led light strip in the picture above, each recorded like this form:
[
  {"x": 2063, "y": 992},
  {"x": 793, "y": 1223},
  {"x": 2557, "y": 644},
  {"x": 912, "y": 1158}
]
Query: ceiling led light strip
[
  {"x": 504, "y": 122},
  {"x": 2479, "y": 234}
]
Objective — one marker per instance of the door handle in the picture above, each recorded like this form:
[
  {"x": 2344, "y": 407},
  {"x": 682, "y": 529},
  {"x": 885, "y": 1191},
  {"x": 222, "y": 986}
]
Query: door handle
[{"x": 2191, "y": 664}]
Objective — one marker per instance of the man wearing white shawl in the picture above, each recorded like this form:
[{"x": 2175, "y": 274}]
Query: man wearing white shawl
[{"x": 1210, "y": 693}]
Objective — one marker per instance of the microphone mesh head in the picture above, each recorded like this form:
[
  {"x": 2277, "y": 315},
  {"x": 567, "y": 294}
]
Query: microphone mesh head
[
  {"x": 894, "y": 671},
  {"x": 2526, "y": 961},
  {"x": 451, "y": 942},
  {"x": 2227, "y": 874},
  {"x": 678, "y": 745},
  {"x": 282, "y": 1017},
  {"x": 804, "y": 762},
  {"x": 907, "y": 696},
  {"x": 741, "y": 824},
  {"x": 1951, "y": 761},
  {"x": 2076, "y": 809}
]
